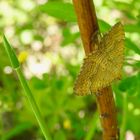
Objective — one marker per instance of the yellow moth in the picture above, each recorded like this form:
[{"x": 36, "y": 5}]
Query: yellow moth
[{"x": 102, "y": 66}]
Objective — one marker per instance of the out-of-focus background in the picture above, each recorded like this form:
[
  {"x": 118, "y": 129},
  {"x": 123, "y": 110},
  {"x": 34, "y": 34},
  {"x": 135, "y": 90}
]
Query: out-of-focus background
[{"x": 47, "y": 42}]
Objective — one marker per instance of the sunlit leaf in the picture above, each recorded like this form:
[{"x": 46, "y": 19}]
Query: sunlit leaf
[
  {"x": 132, "y": 28},
  {"x": 104, "y": 26},
  {"x": 63, "y": 11},
  {"x": 131, "y": 45}
]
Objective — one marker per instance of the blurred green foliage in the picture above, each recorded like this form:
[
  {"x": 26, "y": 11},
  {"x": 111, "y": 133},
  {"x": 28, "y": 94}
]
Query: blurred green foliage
[{"x": 48, "y": 33}]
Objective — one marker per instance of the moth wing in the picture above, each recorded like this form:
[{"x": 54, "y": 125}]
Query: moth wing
[
  {"x": 103, "y": 66},
  {"x": 112, "y": 59},
  {"x": 109, "y": 40},
  {"x": 114, "y": 48},
  {"x": 106, "y": 73},
  {"x": 83, "y": 82},
  {"x": 101, "y": 79}
]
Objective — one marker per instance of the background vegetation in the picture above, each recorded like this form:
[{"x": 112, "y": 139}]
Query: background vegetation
[{"x": 46, "y": 39}]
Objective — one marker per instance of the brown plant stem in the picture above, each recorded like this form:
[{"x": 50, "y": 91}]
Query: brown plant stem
[{"x": 88, "y": 26}]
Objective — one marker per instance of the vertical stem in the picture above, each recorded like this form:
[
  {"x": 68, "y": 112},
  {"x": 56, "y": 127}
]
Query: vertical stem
[
  {"x": 87, "y": 22},
  {"x": 124, "y": 117},
  {"x": 108, "y": 115},
  {"x": 33, "y": 104},
  {"x": 16, "y": 66},
  {"x": 92, "y": 128},
  {"x": 88, "y": 25}
]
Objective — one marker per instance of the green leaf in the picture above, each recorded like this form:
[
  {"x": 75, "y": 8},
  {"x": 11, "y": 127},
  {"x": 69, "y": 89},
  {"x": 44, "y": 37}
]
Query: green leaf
[
  {"x": 38, "y": 84},
  {"x": 129, "y": 84},
  {"x": 17, "y": 130},
  {"x": 59, "y": 134},
  {"x": 129, "y": 44},
  {"x": 11, "y": 53},
  {"x": 62, "y": 11},
  {"x": 69, "y": 37},
  {"x": 122, "y": 5},
  {"x": 104, "y": 26},
  {"x": 132, "y": 28}
]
